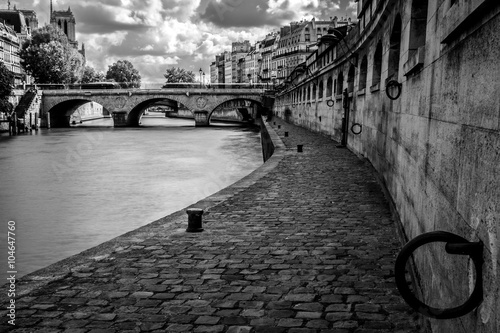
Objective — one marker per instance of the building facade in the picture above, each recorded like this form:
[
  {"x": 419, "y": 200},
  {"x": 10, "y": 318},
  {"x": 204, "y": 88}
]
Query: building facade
[
  {"x": 228, "y": 68},
  {"x": 413, "y": 88},
  {"x": 297, "y": 42},
  {"x": 10, "y": 44},
  {"x": 269, "y": 45}
]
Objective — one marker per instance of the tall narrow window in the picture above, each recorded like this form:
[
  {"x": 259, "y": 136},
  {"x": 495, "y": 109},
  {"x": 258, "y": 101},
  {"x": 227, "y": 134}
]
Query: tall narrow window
[
  {"x": 320, "y": 92},
  {"x": 394, "y": 51},
  {"x": 418, "y": 25},
  {"x": 66, "y": 27},
  {"x": 377, "y": 64},
  {"x": 329, "y": 87},
  {"x": 350, "y": 79},
  {"x": 362, "y": 73},
  {"x": 309, "y": 92},
  {"x": 340, "y": 83},
  {"x": 314, "y": 91}
]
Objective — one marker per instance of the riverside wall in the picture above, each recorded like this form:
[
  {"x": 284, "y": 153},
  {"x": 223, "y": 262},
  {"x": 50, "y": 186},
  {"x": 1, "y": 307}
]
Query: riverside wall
[{"x": 436, "y": 146}]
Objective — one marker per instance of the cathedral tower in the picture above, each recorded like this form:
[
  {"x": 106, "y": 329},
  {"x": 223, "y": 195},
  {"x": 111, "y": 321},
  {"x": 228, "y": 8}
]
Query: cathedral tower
[{"x": 65, "y": 21}]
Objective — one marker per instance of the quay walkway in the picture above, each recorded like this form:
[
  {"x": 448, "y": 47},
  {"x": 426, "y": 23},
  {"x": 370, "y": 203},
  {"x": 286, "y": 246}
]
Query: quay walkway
[{"x": 305, "y": 244}]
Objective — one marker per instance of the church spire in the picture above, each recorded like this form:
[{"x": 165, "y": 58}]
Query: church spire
[{"x": 50, "y": 18}]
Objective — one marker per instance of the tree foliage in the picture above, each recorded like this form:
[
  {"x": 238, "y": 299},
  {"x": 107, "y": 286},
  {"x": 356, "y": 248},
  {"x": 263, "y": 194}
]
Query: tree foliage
[
  {"x": 91, "y": 75},
  {"x": 6, "y": 81},
  {"x": 175, "y": 75},
  {"x": 6, "y": 85},
  {"x": 49, "y": 57},
  {"x": 124, "y": 73}
]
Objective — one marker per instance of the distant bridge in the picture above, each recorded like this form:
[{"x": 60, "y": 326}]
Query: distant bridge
[{"x": 126, "y": 106}]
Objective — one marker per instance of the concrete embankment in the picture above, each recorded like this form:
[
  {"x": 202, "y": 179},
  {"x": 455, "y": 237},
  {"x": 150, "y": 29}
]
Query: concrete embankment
[{"x": 306, "y": 243}]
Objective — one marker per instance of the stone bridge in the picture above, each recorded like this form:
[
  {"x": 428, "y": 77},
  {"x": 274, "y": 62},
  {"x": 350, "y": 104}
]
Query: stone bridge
[{"x": 126, "y": 106}]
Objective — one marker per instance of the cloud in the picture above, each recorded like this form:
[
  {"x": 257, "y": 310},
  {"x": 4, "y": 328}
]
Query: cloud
[
  {"x": 352, "y": 8},
  {"x": 156, "y": 34},
  {"x": 239, "y": 13}
]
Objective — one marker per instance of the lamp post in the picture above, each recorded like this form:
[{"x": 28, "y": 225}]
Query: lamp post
[
  {"x": 203, "y": 78},
  {"x": 201, "y": 71}
]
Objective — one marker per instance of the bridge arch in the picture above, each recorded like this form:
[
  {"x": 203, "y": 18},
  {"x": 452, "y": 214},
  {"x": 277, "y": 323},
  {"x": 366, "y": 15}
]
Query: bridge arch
[
  {"x": 251, "y": 114},
  {"x": 135, "y": 114},
  {"x": 61, "y": 112}
]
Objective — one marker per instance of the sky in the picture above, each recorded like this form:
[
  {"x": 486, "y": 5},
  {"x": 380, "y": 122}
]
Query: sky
[{"x": 155, "y": 35}]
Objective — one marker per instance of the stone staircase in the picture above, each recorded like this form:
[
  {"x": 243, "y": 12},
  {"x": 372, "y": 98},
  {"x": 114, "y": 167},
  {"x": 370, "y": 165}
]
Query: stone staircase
[{"x": 28, "y": 110}]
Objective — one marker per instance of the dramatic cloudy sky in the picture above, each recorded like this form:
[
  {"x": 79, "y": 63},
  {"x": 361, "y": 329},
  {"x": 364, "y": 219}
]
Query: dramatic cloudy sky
[{"x": 157, "y": 34}]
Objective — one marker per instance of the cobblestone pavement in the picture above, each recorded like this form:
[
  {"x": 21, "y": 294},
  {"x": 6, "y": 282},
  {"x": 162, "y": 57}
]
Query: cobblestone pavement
[{"x": 307, "y": 248}]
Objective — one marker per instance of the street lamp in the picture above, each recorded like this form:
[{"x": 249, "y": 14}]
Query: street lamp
[
  {"x": 203, "y": 78},
  {"x": 201, "y": 71}
]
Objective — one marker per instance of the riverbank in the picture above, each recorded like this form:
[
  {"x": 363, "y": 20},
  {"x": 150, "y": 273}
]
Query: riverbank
[{"x": 306, "y": 243}]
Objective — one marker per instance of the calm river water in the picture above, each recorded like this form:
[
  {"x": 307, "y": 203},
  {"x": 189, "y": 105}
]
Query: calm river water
[{"x": 71, "y": 189}]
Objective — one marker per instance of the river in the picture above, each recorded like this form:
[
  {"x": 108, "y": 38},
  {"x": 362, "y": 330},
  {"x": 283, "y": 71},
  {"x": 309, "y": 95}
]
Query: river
[{"x": 70, "y": 189}]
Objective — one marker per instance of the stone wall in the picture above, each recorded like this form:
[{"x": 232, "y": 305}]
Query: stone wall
[{"x": 436, "y": 146}]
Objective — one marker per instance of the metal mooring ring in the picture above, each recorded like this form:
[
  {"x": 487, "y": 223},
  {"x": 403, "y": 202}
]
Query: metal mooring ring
[
  {"x": 330, "y": 102},
  {"x": 357, "y": 125},
  {"x": 454, "y": 245},
  {"x": 390, "y": 84}
]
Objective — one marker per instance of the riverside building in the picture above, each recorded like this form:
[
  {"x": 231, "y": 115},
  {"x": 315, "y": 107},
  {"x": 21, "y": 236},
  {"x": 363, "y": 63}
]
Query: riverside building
[{"x": 15, "y": 27}]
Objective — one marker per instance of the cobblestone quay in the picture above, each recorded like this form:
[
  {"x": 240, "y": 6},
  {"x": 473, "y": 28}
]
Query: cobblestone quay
[{"x": 306, "y": 244}]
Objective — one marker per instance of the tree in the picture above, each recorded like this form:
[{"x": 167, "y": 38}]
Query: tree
[
  {"x": 49, "y": 57},
  {"x": 124, "y": 73},
  {"x": 6, "y": 85},
  {"x": 174, "y": 75},
  {"x": 91, "y": 75}
]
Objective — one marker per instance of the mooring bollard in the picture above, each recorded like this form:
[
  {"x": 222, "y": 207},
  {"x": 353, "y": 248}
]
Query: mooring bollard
[
  {"x": 194, "y": 219},
  {"x": 299, "y": 148}
]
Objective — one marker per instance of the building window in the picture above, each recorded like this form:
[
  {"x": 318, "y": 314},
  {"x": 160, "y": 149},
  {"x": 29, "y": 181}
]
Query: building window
[
  {"x": 329, "y": 87},
  {"x": 363, "y": 69},
  {"x": 320, "y": 92},
  {"x": 307, "y": 37},
  {"x": 340, "y": 83},
  {"x": 309, "y": 92},
  {"x": 377, "y": 64},
  {"x": 418, "y": 25},
  {"x": 350, "y": 79},
  {"x": 314, "y": 91},
  {"x": 394, "y": 51}
]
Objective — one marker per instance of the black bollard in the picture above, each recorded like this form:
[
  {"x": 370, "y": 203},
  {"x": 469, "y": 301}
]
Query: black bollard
[
  {"x": 299, "y": 148},
  {"x": 194, "y": 220}
]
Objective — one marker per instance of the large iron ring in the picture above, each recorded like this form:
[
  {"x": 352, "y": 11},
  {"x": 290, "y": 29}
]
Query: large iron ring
[
  {"x": 454, "y": 245},
  {"x": 358, "y": 130},
  {"x": 393, "y": 84}
]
